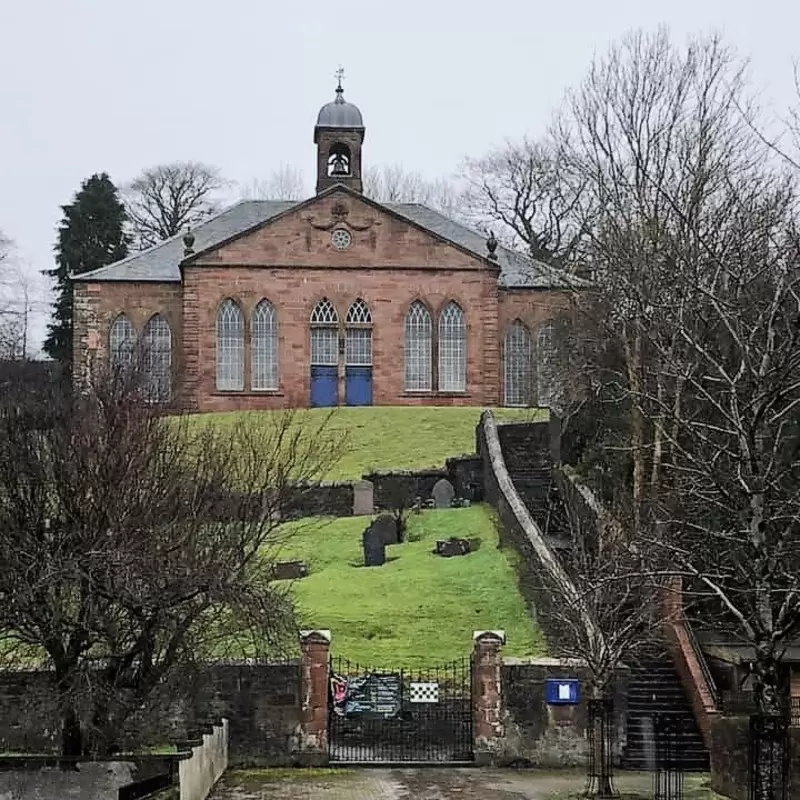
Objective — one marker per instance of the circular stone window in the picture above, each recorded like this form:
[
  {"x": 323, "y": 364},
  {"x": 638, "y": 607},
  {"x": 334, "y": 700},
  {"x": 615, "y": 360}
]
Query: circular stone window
[{"x": 341, "y": 239}]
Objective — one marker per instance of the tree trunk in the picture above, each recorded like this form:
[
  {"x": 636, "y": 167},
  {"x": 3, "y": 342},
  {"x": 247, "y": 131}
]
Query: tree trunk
[
  {"x": 601, "y": 779},
  {"x": 71, "y": 734},
  {"x": 638, "y": 429}
]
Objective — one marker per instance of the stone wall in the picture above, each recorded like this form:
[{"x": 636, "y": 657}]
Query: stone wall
[
  {"x": 730, "y": 758},
  {"x": 262, "y": 702},
  {"x": 36, "y": 779},
  {"x": 209, "y": 759},
  {"x": 538, "y": 562},
  {"x": 539, "y": 734},
  {"x": 464, "y": 472}
]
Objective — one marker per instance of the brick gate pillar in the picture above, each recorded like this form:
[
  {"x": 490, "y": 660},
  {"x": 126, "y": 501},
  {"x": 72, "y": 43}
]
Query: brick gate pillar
[
  {"x": 487, "y": 699},
  {"x": 314, "y": 676}
]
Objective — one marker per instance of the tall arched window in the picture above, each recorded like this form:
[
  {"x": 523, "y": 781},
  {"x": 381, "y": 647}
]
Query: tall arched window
[
  {"x": 546, "y": 365},
  {"x": 230, "y": 347},
  {"x": 452, "y": 349},
  {"x": 517, "y": 364},
  {"x": 324, "y": 334},
  {"x": 264, "y": 346},
  {"x": 157, "y": 345},
  {"x": 121, "y": 342},
  {"x": 358, "y": 344},
  {"x": 418, "y": 348}
]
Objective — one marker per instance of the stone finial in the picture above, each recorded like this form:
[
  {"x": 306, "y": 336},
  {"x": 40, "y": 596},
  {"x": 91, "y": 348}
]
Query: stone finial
[
  {"x": 315, "y": 637},
  {"x": 498, "y": 636},
  {"x": 491, "y": 246},
  {"x": 188, "y": 243}
]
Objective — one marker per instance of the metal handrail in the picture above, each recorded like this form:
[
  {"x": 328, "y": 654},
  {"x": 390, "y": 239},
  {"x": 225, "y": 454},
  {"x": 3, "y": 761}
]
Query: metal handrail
[{"x": 701, "y": 660}]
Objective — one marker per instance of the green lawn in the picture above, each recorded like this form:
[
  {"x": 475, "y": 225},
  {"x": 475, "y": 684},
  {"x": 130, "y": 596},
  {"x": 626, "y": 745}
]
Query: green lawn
[
  {"x": 394, "y": 437},
  {"x": 418, "y": 609}
]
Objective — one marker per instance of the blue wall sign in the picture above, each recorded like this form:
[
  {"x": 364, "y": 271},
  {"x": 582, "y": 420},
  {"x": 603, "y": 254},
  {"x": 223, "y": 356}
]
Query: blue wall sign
[{"x": 562, "y": 691}]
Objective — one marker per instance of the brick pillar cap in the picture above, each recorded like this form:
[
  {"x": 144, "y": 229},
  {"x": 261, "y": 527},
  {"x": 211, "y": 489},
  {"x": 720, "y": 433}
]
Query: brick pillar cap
[
  {"x": 488, "y": 636},
  {"x": 315, "y": 637}
]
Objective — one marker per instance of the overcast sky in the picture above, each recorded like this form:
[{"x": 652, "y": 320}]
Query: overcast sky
[{"x": 117, "y": 85}]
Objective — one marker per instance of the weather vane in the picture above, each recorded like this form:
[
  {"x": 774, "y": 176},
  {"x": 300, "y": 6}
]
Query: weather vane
[{"x": 340, "y": 75}]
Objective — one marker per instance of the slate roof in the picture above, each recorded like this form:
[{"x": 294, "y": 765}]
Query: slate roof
[{"x": 162, "y": 262}]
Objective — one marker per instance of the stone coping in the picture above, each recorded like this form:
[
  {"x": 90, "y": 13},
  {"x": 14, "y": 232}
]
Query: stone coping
[{"x": 549, "y": 661}]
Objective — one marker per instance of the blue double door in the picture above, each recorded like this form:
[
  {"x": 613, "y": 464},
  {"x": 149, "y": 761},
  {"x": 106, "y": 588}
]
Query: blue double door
[
  {"x": 357, "y": 373},
  {"x": 325, "y": 386}
]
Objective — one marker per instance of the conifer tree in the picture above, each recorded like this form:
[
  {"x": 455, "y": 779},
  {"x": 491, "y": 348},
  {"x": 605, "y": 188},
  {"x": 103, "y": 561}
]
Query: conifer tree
[{"x": 91, "y": 235}]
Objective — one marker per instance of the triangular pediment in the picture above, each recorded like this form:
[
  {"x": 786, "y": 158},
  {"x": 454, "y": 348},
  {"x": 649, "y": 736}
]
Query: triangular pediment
[{"x": 340, "y": 228}]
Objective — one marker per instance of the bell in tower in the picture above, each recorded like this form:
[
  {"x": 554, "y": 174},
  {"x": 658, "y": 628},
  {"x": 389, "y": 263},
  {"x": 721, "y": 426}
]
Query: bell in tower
[{"x": 339, "y": 134}]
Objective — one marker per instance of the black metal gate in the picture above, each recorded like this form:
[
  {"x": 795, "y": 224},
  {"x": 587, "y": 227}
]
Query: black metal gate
[
  {"x": 668, "y": 773},
  {"x": 769, "y": 757},
  {"x": 400, "y": 715}
]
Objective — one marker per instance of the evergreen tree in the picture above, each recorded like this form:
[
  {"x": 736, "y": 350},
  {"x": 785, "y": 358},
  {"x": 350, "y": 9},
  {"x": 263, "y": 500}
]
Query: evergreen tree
[{"x": 91, "y": 235}]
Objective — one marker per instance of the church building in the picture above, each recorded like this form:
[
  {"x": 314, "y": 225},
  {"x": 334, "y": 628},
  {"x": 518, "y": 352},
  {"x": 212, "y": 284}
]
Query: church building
[{"x": 335, "y": 300}]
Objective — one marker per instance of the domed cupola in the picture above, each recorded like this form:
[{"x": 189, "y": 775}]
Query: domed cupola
[{"x": 339, "y": 134}]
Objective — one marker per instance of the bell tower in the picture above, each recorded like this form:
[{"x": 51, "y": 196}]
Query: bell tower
[{"x": 339, "y": 134}]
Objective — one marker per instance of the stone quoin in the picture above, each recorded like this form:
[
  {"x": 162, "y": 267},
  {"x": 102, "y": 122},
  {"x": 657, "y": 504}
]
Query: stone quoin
[{"x": 335, "y": 300}]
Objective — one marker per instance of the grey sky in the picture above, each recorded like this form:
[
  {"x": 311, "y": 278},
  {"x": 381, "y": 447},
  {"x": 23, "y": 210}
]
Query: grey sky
[{"x": 116, "y": 85}]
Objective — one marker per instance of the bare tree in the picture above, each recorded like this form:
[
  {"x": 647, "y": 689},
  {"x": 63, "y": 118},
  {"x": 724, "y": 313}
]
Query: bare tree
[
  {"x": 285, "y": 183},
  {"x": 393, "y": 183},
  {"x": 22, "y": 299},
  {"x": 695, "y": 253},
  {"x": 164, "y": 199},
  {"x": 137, "y": 545},
  {"x": 523, "y": 188},
  {"x": 653, "y": 134},
  {"x": 610, "y": 618}
]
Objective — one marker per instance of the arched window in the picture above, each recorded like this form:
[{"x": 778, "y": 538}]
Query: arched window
[
  {"x": 452, "y": 349},
  {"x": 157, "y": 345},
  {"x": 517, "y": 363},
  {"x": 358, "y": 344},
  {"x": 121, "y": 343},
  {"x": 546, "y": 365},
  {"x": 264, "y": 346},
  {"x": 339, "y": 161},
  {"x": 324, "y": 334},
  {"x": 418, "y": 348},
  {"x": 230, "y": 347}
]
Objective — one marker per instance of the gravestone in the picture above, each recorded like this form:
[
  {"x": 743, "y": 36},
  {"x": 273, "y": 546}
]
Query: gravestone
[
  {"x": 452, "y": 547},
  {"x": 374, "y": 548},
  {"x": 385, "y": 526},
  {"x": 289, "y": 570},
  {"x": 363, "y": 502},
  {"x": 443, "y": 493}
]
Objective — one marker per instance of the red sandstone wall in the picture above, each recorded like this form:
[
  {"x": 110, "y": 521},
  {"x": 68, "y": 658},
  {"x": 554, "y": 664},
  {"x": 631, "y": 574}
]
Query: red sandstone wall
[
  {"x": 294, "y": 294},
  {"x": 98, "y": 304}
]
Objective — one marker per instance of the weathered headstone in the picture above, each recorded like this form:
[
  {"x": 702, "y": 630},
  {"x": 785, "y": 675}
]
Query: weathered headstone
[
  {"x": 385, "y": 526},
  {"x": 374, "y": 548},
  {"x": 289, "y": 570},
  {"x": 452, "y": 547},
  {"x": 363, "y": 501},
  {"x": 443, "y": 493}
]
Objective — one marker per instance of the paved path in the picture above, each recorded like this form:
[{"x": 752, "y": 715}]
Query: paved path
[{"x": 410, "y": 784}]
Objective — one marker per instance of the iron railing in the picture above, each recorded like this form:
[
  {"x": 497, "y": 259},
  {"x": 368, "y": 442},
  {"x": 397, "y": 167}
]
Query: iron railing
[
  {"x": 744, "y": 704},
  {"x": 668, "y": 772},
  {"x": 701, "y": 660},
  {"x": 769, "y": 758}
]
